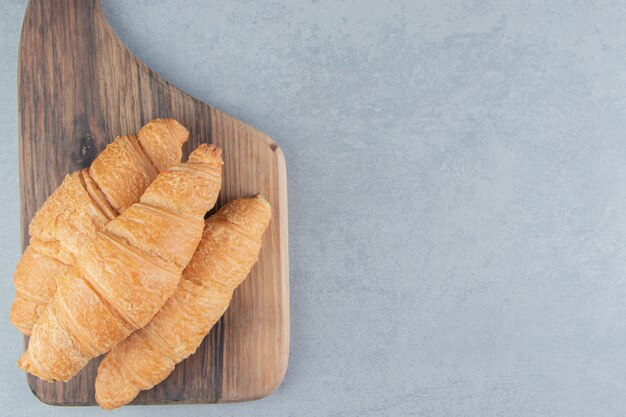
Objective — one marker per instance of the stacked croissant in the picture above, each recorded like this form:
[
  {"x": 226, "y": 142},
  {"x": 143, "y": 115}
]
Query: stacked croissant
[{"x": 121, "y": 261}]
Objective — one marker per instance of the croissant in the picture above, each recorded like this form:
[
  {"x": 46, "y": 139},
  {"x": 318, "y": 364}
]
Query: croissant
[
  {"x": 230, "y": 245},
  {"x": 125, "y": 272},
  {"x": 86, "y": 201}
]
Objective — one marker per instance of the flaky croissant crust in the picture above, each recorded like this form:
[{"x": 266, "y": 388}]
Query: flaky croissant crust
[
  {"x": 86, "y": 201},
  {"x": 229, "y": 247},
  {"x": 125, "y": 272}
]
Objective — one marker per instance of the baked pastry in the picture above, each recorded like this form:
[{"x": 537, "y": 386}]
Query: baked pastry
[
  {"x": 230, "y": 246},
  {"x": 86, "y": 201},
  {"x": 124, "y": 273}
]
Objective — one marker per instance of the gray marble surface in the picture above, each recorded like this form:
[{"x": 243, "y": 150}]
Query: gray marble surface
[{"x": 456, "y": 194}]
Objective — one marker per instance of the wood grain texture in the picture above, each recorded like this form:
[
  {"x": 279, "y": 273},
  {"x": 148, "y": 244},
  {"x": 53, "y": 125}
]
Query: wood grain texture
[{"x": 79, "y": 87}]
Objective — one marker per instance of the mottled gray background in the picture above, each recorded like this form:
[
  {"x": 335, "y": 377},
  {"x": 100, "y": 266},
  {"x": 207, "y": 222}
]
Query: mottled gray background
[{"x": 456, "y": 194}]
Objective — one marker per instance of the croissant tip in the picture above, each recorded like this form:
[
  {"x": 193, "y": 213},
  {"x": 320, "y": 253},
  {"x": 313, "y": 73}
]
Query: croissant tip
[
  {"x": 178, "y": 129},
  {"x": 24, "y": 329},
  {"x": 24, "y": 362},
  {"x": 107, "y": 405},
  {"x": 261, "y": 199},
  {"x": 22, "y": 325},
  {"x": 206, "y": 153}
]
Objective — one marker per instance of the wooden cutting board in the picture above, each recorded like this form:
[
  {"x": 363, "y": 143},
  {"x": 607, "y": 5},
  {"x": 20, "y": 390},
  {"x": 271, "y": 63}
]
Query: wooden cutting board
[{"x": 79, "y": 87}]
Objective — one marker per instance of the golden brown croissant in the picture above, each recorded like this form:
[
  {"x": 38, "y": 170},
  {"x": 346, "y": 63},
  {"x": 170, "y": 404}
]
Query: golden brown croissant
[
  {"x": 86, "y": 201},
  {"x": 125, "y": 272},
  {"x": 229, "y": 248}
]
